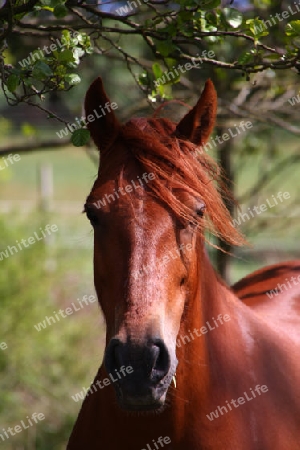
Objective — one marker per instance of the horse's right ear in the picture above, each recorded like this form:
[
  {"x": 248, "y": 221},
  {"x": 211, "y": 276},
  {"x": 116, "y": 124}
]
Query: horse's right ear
[
  {"x": 101, "y": 120},
  {"x": 198, "y": 123}
]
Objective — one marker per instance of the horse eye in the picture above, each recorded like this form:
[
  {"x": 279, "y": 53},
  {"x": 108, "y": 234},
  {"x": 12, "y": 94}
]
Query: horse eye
[
  {"x": 200, "y": 211},
  {"x": 91, "y": 215},
  {"x": 93, "y": 219}
]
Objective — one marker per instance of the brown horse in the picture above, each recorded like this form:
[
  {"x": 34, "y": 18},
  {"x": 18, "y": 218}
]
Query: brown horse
[{"x": 187, "y": 364}]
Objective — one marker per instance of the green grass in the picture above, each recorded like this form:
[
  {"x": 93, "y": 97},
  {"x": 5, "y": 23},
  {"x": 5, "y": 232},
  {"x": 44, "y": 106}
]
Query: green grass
[
  {"x": 41, "y": 370},
  {"x": 73, "y": 175}
]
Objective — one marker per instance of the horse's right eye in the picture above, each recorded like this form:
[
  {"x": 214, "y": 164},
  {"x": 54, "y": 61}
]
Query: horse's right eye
[
  {"x": 93, "y": 219},
  {"x": 92, "y": 216}
]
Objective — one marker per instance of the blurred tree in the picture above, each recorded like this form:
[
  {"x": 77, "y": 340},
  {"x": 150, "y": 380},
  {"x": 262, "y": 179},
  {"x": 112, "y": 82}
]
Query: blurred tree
[{"x": 58, "y": 34}]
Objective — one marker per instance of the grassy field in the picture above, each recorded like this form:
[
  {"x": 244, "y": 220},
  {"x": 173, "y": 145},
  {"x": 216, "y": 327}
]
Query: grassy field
[
  {"x": 42, "y": 370},
  {"x": 73, "y": 175}
]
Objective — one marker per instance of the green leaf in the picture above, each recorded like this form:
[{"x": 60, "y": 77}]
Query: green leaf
[
  {"x": 157, "y": 70},
  {"x": 233, "y": 17},
  {"x": 245, "y": 58},
  {"x": 61, "y": 70},
  {"x": 273, "y": 57},
  {"x": 170, "y": 29},
  {"x": 208, "y": 4},
  {"x": 65, "y": 56},
  {"x": 187, "y": 31},
  {"x": 60, "y": 11},
  {"x": 165, "y": 91},
  {"x": 41, "y": 70},
  {"x": 162, "y": 91},
  {"x": 168, "y": 77},
  {"x": 80, "y": 137},
  {"x": 73, "y": 79},
  {"x": 293, "y": 28},
  {"x": 170, "y": 62},
  {"x": 12, "y": 82},
  {"x": 165, "y": 47},
  {"x": 27, "y": 81},
  {"x": 66, "y": 37},
  {"x": 257, "y": 28},
  {"x": 212, "y": 18},
  {"x": 174, "y": 76}
]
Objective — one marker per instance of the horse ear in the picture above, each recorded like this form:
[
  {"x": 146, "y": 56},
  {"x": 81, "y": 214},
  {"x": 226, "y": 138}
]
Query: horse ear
[
  {"x": 198, "y": 123},
  {"x": 101, "y": 120}
]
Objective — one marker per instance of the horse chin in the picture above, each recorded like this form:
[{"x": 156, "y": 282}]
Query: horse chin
[
  {"x": 154, "y": 402},
  {"x": 142, "y": 408}
]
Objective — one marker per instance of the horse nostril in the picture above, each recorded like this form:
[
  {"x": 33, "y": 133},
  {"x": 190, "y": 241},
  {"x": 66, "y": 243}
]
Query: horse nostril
[
  {"x": 116, "y": 354},
  {"x": 161, "y": 363},
  {"x": 113, "y": 356}
]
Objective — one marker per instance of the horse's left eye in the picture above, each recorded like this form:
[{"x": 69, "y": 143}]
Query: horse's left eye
[{"x": 200, "y": 211}]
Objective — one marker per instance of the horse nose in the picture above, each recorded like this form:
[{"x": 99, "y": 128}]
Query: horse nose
[{"x": 149, "y": 361}]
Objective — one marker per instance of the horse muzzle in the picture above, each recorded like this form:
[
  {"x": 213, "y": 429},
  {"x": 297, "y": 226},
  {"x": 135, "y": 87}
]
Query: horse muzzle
[{"x": 142, "y": 373}]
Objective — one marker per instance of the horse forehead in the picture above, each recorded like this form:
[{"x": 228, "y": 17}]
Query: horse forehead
[
  {"x": 160, "y": 126},
  {"x": 137, "y": 207},
  {"x": 140, "y": 122},
  {"x": 146, "y": 222},
  {"x": 144, "y": 209}
]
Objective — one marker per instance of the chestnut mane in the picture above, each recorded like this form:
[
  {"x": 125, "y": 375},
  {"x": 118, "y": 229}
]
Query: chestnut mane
[{"x": 180, "y": 164}]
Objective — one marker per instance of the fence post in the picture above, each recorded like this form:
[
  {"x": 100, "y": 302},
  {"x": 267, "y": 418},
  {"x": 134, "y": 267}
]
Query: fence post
[{"x": 45, "y": 176}]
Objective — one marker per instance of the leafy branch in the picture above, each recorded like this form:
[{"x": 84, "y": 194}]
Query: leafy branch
[{"x": 175, "y": 34}]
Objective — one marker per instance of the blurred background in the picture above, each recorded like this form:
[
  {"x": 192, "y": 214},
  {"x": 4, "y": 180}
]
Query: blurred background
[{"x": 48, "y": 184}]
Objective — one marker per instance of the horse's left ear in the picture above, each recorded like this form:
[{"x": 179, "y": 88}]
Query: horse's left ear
[
  {"x": 102, "y": 122},
  {"x": 197, "y": 124}
]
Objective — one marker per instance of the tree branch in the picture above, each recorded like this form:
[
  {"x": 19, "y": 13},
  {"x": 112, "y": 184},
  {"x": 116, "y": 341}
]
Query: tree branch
[
  {"x": 6, "y": 10},
  {"x": 34, "y": 146}
]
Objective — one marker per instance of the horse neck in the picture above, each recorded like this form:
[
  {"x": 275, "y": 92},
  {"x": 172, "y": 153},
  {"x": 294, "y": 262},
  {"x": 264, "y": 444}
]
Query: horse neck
[
  {"x": 211, "y": 297},
  {"x": 208, "y": 329}
]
